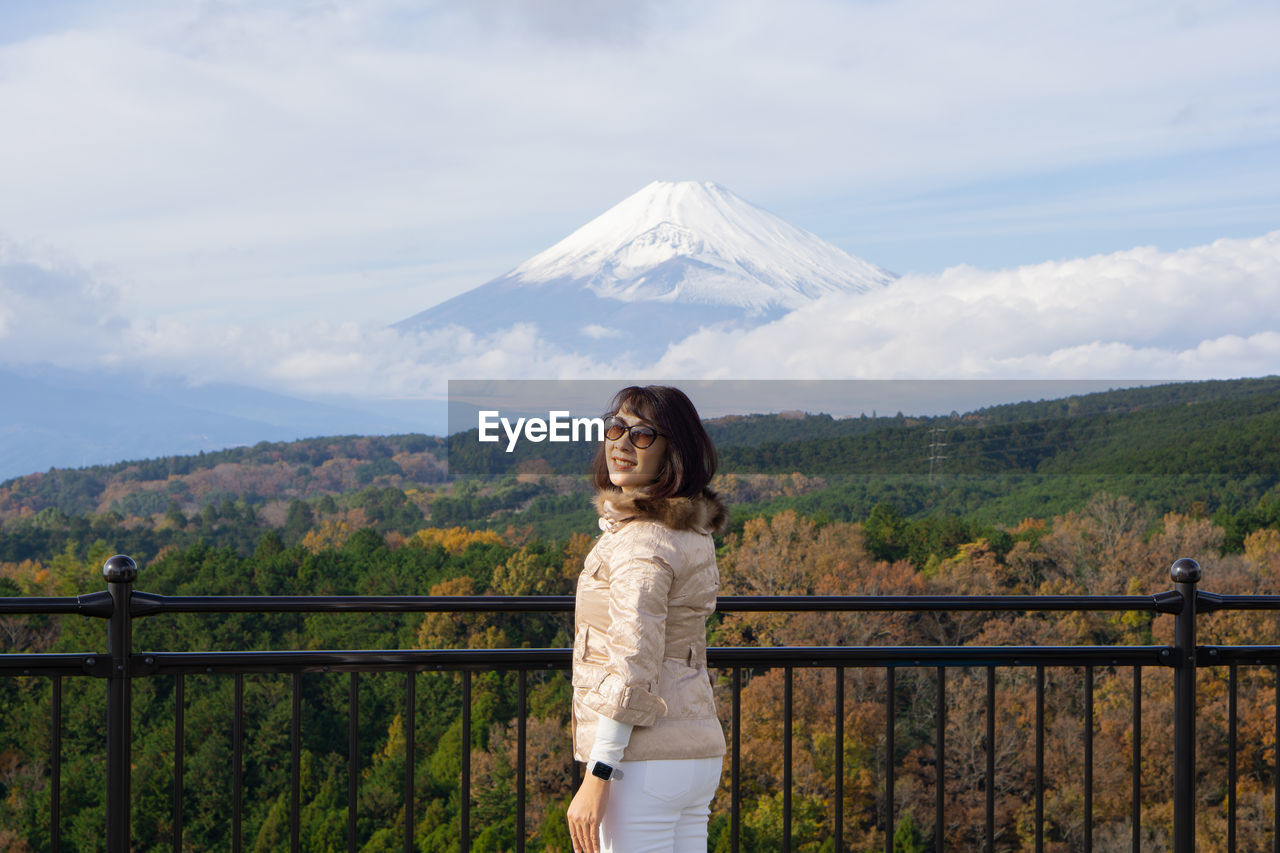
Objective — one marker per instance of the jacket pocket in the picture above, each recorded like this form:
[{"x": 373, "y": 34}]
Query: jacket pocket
[
  {"x": 596, "y": 568},
  {"x": 587, "y": 676},
  {"x": 688, "y": 690}
]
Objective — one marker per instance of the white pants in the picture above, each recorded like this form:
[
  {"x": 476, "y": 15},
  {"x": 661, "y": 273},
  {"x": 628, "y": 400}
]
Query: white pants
[{"x": 660, "y": 806}]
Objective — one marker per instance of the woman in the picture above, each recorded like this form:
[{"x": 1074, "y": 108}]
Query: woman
[{"x": 644, "y": 717}]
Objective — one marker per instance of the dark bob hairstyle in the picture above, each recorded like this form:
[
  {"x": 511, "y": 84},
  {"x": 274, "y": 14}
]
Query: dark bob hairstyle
[{"x": 690, "y": 461}]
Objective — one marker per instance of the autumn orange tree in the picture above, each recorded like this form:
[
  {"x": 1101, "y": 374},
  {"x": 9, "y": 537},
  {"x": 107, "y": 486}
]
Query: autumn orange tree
[{"x": 1110, "y": 546}]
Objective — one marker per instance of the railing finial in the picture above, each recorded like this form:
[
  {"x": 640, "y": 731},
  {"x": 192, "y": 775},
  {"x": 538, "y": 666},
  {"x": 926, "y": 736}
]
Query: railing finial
[
  {"x": 1185, "y": 573},
  {"x": 120, "y": 569},
  {"x": 1185, "y": 570}
]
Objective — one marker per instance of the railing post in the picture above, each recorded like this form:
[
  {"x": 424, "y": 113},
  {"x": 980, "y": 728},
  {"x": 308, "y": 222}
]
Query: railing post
[
  {"x": 1186, "y": 574},
  {"x": 120, "y": 572}
]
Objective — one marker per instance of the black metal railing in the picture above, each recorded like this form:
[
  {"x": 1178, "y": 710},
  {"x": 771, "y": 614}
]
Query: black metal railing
[{"x": 121, "y": 664}]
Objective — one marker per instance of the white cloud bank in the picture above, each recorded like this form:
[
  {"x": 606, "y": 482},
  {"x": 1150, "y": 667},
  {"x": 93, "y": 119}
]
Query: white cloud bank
[
  {"x": 1209, "y": 311},
  {"x": 52, "y": 309},
  {"x": 1205, "y": 312}
]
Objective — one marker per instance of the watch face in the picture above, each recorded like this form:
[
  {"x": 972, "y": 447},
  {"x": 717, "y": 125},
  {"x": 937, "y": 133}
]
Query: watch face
[{"x": 603, "y": 771}]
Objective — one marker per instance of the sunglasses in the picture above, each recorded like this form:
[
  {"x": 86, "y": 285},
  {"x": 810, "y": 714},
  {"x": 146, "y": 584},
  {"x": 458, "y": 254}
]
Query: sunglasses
[{"x": 641, "y": 436}]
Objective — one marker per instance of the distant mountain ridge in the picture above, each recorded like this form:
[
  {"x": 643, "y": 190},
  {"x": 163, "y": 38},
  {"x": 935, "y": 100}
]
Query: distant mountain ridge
[
  {"x": 1219, "y": 427},
  {"x": 666, "y": 261},
  {"x": 53, "y": 417}
]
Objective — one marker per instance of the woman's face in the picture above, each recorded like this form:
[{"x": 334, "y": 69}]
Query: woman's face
[{"x": 632, "y": 467}]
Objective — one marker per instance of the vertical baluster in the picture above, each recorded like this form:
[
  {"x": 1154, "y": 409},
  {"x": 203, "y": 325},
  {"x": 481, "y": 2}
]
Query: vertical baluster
[
  {"x": 1039, "y": 759},
  {"x": 890, "y": 713},
  {"x": 55, "y": 759},
  {"x": 465, "y": 816},
  {"x": 991, "y": 760},
  {"x": 410, "y": 754},
  {"x": 521, "y": 710},
  {"x": 295, "y": 762},
  {"x": 237, "y": 761},
  {"x": 939, "y": 826},
  {"x": 1231, "y": 759},
  {"x": 839, "y": 758},
  {"x": 179, "y": 750},
  {"x": 786, "y": 759},
  {"x": 1136, "y": 793},
  {"x": 353, "y": 758},
  {"x": 1088, "y": 759},
  {"x": 735, "y": 766}
]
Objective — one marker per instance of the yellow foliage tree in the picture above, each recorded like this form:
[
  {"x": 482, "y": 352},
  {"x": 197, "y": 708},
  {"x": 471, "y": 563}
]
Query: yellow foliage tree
[
  {"x": 330, "y": 533},
  {"x": 455, "y": 540}
]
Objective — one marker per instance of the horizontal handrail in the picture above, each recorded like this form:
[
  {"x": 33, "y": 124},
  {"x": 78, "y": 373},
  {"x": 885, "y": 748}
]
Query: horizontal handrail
[
  {"x": 91, "y": 604},
  {"x": 150, "y": 604},
  {"x": 1164, "y": 602},
  {"x": 401, "y": 660},
  {"x": 423, "y": 660},
  {"x": 88, "y": 663},
  {"x": 1208, "y": 602},
  {"x": 1242, "y": 655}
]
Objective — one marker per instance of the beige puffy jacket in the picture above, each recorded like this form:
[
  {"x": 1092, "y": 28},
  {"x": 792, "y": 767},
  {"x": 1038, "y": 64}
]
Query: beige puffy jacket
[{"x": 640, "y": 628}]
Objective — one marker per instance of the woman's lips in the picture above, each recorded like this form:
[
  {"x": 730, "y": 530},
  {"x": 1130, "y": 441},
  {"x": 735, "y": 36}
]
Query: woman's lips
[{"x": 623, "y": 464}]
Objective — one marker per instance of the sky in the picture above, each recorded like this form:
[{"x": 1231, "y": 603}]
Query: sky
[{"x": 252, "y": 191}]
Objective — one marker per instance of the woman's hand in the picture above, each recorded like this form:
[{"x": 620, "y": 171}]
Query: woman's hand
[{"x": 585, "y": 814}]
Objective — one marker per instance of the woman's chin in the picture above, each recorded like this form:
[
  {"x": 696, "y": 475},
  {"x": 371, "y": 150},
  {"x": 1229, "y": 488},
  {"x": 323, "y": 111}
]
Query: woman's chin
[{"x": 625, "y": 482}]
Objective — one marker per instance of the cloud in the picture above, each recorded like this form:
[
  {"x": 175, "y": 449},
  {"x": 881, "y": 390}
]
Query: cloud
[
  {"x": 321, "y": 359},
  {"x": 236, "y": 150},
  {"x": 597, "y": 332},
  {"x": 1204, "y": 312},
  {"x": 1198, "y": 313},
  {"x": 53, "y": 310},
  {"x": 577, "y": 20}
]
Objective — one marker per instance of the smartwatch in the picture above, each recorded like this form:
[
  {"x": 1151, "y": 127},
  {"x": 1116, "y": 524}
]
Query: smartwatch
[{"x": 603, "y": 771}]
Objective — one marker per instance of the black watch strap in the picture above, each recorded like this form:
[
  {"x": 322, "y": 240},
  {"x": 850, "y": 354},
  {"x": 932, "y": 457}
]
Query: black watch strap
[{"x": 600, "y": 770}]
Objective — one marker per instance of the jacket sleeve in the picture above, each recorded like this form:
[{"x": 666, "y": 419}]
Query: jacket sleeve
[{"x": 639, "y": 584}]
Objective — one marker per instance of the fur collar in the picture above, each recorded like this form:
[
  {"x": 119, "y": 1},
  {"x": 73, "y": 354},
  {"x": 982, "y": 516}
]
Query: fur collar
[{"x": 704, "y": 512}]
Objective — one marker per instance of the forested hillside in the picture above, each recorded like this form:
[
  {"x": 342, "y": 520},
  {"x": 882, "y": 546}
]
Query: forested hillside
[
  {"x": 1095, "y": 495},
  {"x": 1171, "y": 445},
  {"x": 1110, "y": 545}
]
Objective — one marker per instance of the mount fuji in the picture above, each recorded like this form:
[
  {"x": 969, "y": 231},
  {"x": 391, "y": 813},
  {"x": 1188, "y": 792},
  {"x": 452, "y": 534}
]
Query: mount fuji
[{"x": 670, "y": 259}]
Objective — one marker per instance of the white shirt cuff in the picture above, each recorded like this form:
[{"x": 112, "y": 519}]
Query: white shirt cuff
[{"x": 611, "y": 739}]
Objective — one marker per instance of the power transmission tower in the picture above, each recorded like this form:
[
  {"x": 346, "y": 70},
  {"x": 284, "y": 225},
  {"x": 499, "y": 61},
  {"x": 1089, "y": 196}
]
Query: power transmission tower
[{"x": 936, "y": 444}]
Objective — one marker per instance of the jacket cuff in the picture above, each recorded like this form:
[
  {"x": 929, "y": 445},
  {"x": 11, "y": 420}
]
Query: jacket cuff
[{"x": 633, "y": 705}]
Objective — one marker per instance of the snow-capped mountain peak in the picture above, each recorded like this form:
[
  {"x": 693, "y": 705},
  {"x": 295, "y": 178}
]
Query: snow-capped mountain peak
[
  {"x": 753, "y": 259},
  {"x": 662, "y": 263}
]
